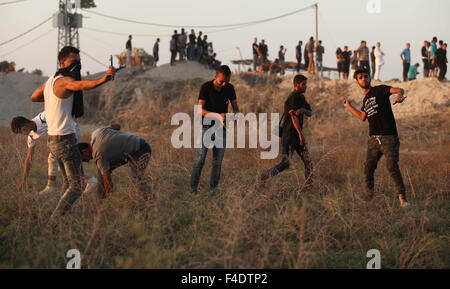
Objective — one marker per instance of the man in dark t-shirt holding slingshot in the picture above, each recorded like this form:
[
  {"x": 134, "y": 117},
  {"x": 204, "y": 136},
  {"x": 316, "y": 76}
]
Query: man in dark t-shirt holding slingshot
[
  {"x": 382, "y": 130},
  {"x": 215, "y": 95}
]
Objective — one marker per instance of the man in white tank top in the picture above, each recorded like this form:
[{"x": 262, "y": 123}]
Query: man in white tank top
[{"x": 57, "y": 94}]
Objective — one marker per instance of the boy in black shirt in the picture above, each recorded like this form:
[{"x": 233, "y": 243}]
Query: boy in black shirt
[
  {"x": 382, "y": 130},
  {"x": 213, "y": 101},
  {"x": 292, "y": 137}
]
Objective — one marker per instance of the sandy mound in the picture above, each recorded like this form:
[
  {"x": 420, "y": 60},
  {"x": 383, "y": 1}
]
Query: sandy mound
[{"x": 15, "y": 92}]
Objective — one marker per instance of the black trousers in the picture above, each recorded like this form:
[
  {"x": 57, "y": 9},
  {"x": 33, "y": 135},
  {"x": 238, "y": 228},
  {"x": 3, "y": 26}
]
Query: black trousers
[
  {"x": 364, "y": 64},
  {"x": 289, "y": 145},
  {"x": 299, "y": 61},
  {"x": 406, "y": 66},
  {"x": 442, "y": 71},
  {"x": 387, "y": 145}
]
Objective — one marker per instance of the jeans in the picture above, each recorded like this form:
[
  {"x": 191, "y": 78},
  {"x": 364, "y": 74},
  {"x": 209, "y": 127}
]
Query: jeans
[
  {"x": 128, "y": 57},
  {"x": 255, "y": 62},
  {"x": 200, "y": 156},
  {"x": 69, "y": 159},
  {"x": 320, "y": 65},
  {"x": 405, "y": 70},
  {"x": 199, "y": 52},
  {"x": 387, "y": 145},
  {"x": 291, "y": 144},
  {"x": 191, "y": 51},
  {"x": 138, "y": 162}
]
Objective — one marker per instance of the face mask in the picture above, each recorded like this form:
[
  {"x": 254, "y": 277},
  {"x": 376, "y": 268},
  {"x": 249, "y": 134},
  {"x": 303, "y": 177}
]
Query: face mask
[{"x": 73, "y": 70}]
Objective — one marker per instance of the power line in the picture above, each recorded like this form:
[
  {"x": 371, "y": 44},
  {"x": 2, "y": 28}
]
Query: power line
[
  {"x": 26, "y": 32},
  {"x": 28, "y": 43},
  {"x": 11, "y": 2},
  {"x": 163, "y": 35},
  {"x": 201, "y": 26},
  {"x": 94, "y": 59}
]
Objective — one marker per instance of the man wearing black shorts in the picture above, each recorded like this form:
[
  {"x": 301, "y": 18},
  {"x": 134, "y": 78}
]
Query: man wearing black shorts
[
  {"x": 292, "y": 137},
  {"x": 382, "y": 130}
]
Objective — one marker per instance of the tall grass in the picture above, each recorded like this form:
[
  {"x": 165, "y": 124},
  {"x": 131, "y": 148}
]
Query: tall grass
[{"x": 243, "y": 224}]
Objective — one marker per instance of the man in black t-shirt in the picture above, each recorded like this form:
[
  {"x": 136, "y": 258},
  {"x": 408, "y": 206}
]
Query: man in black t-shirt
[
  {"x": 213, "y": 101},
  {"x": 382, "y": 130},
  {"x": 256, "y": 54},
  {"x": 264, "y": 51},
  {"x": 292, "y": 137},
  {"x": 426, "y": 58},
  {"x": 440, "y": 59}
]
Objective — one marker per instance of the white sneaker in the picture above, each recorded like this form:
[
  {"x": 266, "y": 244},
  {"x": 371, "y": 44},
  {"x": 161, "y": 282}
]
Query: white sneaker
[
  {"x": 404, "y": 203},
  {"x": 47, "y": 190},
  {"x": 91, "y": 185}
]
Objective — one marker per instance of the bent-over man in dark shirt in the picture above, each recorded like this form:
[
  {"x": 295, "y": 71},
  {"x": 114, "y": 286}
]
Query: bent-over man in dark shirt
[
  {"x": 110, "y": 149},
  {"x": 292, "y": 136},
  {"x": 382, "y": 130},
  {"x": 213, "y": 101}
]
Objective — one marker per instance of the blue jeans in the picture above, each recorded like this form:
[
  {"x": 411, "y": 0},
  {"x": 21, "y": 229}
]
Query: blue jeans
[
  {"x": 255, "y": 61},
  {"x": 191, "y": 51},
  {"x": 319, "y": 65},
  {"x": 199, "y": 52},
  {"x": 200, "y": 156},
  {"x": 69, "y": 160}
]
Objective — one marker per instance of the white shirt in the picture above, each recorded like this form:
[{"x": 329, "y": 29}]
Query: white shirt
[
  {"x": 42, "y": 130},
  {"x": 58, "y": 110},
  {"x": 379, "y": 56}
]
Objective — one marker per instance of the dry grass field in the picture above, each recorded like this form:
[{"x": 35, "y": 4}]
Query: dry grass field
[{"x": 242, "y": 225}]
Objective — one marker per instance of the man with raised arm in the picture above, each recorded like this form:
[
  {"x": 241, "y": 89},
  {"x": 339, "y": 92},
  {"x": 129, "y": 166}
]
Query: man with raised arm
[
  {"x": 383, "y": 138},
  {"x": 58, "y": 96}
]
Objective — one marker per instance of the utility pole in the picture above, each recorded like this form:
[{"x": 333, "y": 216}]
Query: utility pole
[
  {"x": 67, "y": 20},
  {"x": 316, "y": 8}
]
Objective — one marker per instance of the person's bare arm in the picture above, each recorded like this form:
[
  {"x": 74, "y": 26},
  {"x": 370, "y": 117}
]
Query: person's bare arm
[
  {"x": 235, "y": 106},
  {"x": 107, "y": 183},
  {"x": 38, "y": 94},
  {"x": 27, "y": 167},
  {"x": 400, "y": 94},
  {"x": 66, "y": 85},
  {"x": 362, "y": 115},
  {"x": 296, "y": 123},
  {"x": 204, "y": 112},
  {"x": 304, "y": 111}
]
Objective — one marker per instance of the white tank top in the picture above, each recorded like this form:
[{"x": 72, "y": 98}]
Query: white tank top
[{"x": 58, "y": 111}]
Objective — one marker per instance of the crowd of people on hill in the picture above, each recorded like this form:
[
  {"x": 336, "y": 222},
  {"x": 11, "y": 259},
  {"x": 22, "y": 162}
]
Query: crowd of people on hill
[
  {"x": 193, "y": 48},
  {"x": 186, "y": 47},
  {"x": 434, "y": 59}
]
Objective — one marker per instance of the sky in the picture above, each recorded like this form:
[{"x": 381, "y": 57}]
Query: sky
[{"x": 344, "y": 22}]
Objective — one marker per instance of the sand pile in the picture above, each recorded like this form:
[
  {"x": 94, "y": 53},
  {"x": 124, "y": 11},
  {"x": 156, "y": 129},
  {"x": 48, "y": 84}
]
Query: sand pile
[{"x": 15, "y": 92}]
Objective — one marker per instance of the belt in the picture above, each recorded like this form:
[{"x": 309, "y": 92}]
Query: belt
[{"x": 60, "y": 137}]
